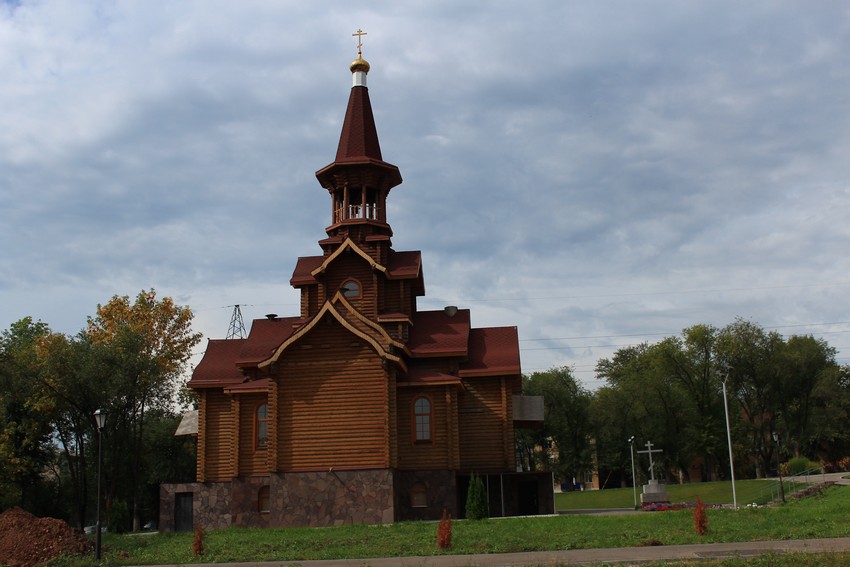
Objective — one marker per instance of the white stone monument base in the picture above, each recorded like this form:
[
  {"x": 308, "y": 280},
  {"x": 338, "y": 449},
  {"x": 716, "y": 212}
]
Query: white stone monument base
[{"x": 654, "y": 492}]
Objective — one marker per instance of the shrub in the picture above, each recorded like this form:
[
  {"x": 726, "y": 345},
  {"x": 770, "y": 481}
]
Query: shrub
[
  {"x": 198, "y": 542},
  {"x": 476, "y": 500},
  {"x": 444, "y": 531},
  {"x": 700, "y": 518},
  {"x": 844, "y": 463},
  {"x": 119, "y": 517},
  {"x": 798, "y": 465}
]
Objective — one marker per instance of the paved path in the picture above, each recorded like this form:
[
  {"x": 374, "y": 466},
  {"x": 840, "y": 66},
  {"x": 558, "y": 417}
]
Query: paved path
[{"x": 618, "y": 555}]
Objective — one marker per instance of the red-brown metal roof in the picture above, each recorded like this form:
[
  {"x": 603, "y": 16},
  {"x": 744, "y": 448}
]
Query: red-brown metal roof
[
  {"x": 492, "y": 351},
  {"x": 261, "y": 385},
  {"x": 217, "y": 368},
  {"x": 359, "y": 137},
  {"x": 400, "y": 265},
  {"x": 266, "y": 335},
  {"x": 434, "y": 333},
  {"x": 302, "y": 275},
  {"x": 426, "y": 377}
]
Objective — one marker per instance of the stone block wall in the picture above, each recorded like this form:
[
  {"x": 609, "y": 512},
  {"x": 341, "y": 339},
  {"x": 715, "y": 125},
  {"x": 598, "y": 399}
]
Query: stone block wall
[
  {"x": 332, "y": 498},
  {"x": 245, "y": 500},
  {"x": 440, "y": 490},
  {"x": 210, "y": 504}
]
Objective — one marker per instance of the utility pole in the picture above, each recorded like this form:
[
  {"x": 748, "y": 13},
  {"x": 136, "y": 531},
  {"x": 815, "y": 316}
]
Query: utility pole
[{"x": 236, "y": 330}]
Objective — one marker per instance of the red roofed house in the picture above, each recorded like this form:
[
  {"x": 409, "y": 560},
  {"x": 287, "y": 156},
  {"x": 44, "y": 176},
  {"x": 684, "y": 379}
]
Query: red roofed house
[{"x": 361, "y": 409}]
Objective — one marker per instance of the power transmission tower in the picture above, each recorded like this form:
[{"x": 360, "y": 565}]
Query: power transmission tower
[{"x": 236, "y": 330}]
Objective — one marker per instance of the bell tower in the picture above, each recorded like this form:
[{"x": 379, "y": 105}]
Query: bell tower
[{"x": 359, "y": 180}]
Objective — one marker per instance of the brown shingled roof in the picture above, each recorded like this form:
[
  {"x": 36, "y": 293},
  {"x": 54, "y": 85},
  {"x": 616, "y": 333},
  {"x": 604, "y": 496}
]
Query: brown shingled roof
[
  {"x": 426, "y": 377},
  {"x": 266, "y": 335},
  {"x": 359, "y": 137},
  {"x": 436, "y": 334},
  {"x": 302, "y": 275},
  {"x": 217, "y": 368},
  {"x": 493, "y": 351},
  {"x": 401, "y": 265}
]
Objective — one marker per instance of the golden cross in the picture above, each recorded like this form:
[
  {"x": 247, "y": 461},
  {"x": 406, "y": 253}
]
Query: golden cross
[{"x": 360, "y": 33}]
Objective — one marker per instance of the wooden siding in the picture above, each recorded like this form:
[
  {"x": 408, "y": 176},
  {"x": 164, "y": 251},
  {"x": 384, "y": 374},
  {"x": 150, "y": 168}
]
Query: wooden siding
[
  {"x": 251, "y": 462},
  {"x": 484, "y": 428},
  {"x": 439, "y": 453},
  {"x": 392, "y": 416},
  {"x": 332, "y": 403},
  {"x": 353, "y": 266},
  {"x": 218, "y": 436}
]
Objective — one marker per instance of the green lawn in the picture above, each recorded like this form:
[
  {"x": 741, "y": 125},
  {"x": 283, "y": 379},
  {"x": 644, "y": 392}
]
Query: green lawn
[
  {"x": 824, "y": 515},
  {"x": 748, "y": 491}
]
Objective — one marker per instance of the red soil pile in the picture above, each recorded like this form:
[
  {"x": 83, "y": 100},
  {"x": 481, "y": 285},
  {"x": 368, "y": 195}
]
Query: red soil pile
[{"x": 27, "y": 541}]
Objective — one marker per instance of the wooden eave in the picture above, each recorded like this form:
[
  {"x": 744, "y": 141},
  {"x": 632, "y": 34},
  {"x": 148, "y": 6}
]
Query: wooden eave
[
  {"x": 262, "y": 386},
  {"x": 348, "y": 245},
  {"x": 329, "y": 308}
]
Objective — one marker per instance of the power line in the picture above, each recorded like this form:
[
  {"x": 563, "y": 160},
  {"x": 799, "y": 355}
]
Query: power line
[{"x": 637, "y": 293}]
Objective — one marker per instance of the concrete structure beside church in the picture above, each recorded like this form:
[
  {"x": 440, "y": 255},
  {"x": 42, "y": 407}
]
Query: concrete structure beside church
[{"x": 361, "y": 408}]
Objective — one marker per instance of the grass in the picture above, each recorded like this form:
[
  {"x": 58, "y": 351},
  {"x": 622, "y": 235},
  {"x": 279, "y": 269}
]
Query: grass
[
  {"x": 748, "y": 491},
  {"x": 824, "y": 515},
  {"x": 769, "y": 560}
]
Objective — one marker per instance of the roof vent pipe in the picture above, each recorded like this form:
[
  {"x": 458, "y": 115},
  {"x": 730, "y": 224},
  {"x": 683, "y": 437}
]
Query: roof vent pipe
[
  {"x": 450, "y": 310},
  {"x": 271, "y": 316}
]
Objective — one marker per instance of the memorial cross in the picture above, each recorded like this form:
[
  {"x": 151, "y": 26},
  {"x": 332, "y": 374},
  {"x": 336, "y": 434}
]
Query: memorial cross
[{"x": 649, "y": 450}]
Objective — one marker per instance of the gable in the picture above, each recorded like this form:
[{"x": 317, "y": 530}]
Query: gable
[{"x": 350, "y": 319}]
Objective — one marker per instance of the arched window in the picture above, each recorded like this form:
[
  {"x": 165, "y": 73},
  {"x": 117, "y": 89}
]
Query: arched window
[
  {"x": 419, "y": 495},
  {"x": 351, "y": 289},
  {"x": 422, "y": 420},
  {"x": 261, "y": 427},
  {"x": 264, "y": 500}
]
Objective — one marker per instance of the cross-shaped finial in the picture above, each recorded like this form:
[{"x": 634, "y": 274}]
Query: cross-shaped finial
[{"x": 359, "y": 33}]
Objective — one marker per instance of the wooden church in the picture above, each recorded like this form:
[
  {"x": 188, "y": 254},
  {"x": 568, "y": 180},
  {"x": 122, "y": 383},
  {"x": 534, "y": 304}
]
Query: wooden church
[{"x": 361, "y": 408}]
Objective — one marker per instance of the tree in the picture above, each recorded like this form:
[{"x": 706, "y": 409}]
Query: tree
[
  {"x": 476, "y": 499},
  {"x": 25, "y": 447},
  {"x": 566, "y": 420},
  {"x": 148, "y": 344}
]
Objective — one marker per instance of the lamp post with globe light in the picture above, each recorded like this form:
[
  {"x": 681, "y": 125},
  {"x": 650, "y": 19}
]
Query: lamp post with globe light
[{"x": 100, "y": 420}]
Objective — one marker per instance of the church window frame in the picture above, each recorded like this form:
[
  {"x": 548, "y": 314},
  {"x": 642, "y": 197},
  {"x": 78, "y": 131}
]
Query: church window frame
[
  {"x": 352, "y": 289},
  {"x": 422, "y": 411},
  {"x": 261, "y": 426}
]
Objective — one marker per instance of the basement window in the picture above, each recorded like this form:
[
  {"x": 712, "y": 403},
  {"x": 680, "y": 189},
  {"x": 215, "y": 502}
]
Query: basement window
[
  {"x": 264, "y": 500},
  {"x": 419, "y": 495}
]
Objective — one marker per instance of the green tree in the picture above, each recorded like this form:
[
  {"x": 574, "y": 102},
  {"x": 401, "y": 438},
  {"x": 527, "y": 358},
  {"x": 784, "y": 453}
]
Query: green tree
[
  {"x": 566, "y": 420},
  {"x": 148, "y": 344},
  {"x": 25, "y": 447},
  {"x": 476, "y": 499}
]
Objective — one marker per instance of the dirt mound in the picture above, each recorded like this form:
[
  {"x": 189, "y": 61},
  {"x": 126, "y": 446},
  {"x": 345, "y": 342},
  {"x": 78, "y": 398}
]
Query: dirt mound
[{"x": 29, "y": 541}]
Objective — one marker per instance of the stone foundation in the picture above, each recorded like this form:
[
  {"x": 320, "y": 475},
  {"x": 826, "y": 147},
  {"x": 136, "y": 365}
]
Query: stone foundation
[
  {"x": 210, "y": 504},
  {"x": 440, "y": 491},
  {"x": 333, "y": 498}
]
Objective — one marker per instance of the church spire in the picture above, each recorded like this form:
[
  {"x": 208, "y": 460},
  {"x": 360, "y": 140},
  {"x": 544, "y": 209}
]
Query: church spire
[{"x": 359, "y": 180}]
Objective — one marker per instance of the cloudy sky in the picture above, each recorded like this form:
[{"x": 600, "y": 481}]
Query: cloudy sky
[{"x": 598, "y": 173}]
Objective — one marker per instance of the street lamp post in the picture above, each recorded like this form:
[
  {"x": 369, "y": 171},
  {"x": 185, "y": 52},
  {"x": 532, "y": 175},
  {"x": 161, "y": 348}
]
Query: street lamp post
[
  {"x": 634, "y": 480},
  {"x": 779, "y": 466},
  {"x": 729, "y": 441},
  {"x": 100, "y": 419}
]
